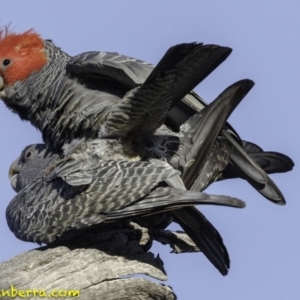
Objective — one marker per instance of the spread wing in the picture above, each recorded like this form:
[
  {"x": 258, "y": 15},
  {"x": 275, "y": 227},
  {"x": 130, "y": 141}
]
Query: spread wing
[
  {"x": 111, "y": 66},
  {"x": 145, "y": 107}
]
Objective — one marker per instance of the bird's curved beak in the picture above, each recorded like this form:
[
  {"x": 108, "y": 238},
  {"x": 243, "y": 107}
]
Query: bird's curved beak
[
  {"x": 2, "y": 91},
  {"x": 13, "y": 172}
]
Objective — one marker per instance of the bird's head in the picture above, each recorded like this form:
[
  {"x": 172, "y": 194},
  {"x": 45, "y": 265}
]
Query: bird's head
[
  {"x": 20, "y": 56},
  {"x": 29, "y": 165}
]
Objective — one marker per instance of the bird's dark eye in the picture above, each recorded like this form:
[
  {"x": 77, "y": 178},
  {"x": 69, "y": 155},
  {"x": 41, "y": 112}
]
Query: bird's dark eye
[
  {"x": 6, "y": 62},
  {"x": 28, "y": 154}
]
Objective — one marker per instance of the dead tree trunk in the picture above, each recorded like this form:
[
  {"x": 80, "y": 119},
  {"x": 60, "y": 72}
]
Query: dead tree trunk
[{"x": 99, "y": 265}]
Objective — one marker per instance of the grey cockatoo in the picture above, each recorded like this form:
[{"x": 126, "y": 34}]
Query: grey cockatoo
[
  {"x": 82, "y": 191},
  {"x": 111, "y": 95}
]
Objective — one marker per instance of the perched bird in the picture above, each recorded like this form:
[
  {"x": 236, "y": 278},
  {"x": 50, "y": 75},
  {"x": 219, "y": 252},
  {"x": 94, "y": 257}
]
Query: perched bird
[
  {"x": 40, "y": 83},
  {"x": 110, "y": 95},
  {"x": 80, "y": 193}
]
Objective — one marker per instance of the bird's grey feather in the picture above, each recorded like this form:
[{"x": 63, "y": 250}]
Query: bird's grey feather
[
  {"x": 45, "y": 209},
  {"x": 265, "y": 185},
  {"x": 201, "y": 130},
  {"x": 128, "y": 71},
  {"x": 269, "y": 161}
]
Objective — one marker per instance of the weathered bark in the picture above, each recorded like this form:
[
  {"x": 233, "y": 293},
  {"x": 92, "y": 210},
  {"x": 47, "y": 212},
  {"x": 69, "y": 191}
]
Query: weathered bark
[{"x": 101, "y": 265}]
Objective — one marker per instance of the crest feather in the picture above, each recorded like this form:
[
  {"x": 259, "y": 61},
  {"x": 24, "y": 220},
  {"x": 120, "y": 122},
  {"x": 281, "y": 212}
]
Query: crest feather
[{"x": 25, "y": 50}]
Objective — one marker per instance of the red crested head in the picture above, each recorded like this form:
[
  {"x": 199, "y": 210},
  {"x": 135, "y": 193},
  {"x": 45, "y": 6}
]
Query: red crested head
[{"x": 20, "y": 55}]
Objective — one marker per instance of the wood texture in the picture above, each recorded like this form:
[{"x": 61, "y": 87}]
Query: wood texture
[{"x": 100, "y": 264}]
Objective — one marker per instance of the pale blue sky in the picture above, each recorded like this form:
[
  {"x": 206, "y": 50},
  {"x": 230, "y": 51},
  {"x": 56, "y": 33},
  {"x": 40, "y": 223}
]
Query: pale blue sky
[{"x": 263, "y": 239}]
